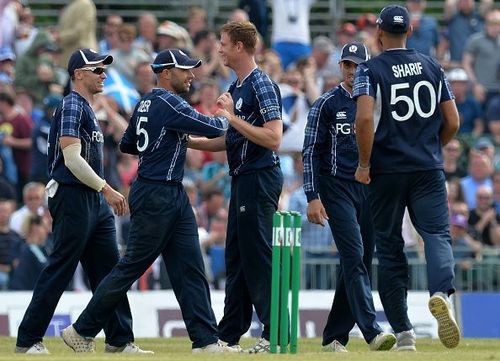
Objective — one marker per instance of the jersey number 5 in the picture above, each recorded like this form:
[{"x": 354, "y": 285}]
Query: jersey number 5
[
  {"x": 141, "y": 131},
  {"x": 413, "y": 104}
]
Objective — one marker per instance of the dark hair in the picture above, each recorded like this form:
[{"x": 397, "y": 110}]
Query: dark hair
[{"x": 7, "y": 98}]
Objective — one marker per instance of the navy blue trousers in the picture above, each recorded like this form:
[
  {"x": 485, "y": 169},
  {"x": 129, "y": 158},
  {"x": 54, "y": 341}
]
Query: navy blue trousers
[
  {"x": 424, "y": 194},
  {"x": 254, "y": 199},
  {"x": 84, "y": 230},
  {"x": 162, "y": 222},
  {"x": 346, "y": 203}
]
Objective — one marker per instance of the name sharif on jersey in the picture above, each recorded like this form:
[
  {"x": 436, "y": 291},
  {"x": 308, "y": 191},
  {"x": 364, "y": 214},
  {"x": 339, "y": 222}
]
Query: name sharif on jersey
[{"x": 402, "y": 70}]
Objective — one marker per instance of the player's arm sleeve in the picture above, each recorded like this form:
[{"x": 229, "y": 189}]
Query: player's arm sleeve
[
  {"x": 363, "y": 82},
  {"x": 314, "y": 140},
  {"x": 79, "y": 167},
  {"x": 268, "y": 98},
  {"x": 128, "y": 143},
  {"x": 184, "y": 118},
  {"x": 444, "y": 90}
]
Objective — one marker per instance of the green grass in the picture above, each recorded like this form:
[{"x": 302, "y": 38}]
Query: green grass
[{"x": 309, "y": 349}]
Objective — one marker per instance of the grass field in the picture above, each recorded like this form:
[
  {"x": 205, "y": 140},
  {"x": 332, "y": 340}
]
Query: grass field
[{"x": 309, "y": 349}]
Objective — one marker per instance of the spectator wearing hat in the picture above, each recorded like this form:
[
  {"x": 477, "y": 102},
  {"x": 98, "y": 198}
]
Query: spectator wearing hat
[
  {"x": 465, "y": 248},
  {"x": 171, "y": 35},
  {"x": 469, "y": 109},
  {"x": 35, "y": 69},
  {"x": 425, "y": 36},
  {"x": 291, "y": 36},
  {"x": 7, "y": 62}
]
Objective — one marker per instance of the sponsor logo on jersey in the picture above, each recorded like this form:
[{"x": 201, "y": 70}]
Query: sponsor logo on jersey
[
  {"x": 345, "y": 128},
  {"x": 97, "y": 136},
  {"x": 341, "y": 115}
]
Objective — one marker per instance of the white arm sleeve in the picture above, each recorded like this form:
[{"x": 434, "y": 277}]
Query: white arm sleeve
[{"x": 80, "y": 168}]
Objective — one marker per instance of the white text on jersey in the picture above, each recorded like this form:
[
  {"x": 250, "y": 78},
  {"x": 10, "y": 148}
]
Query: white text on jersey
[{"x": 403, "y": 70}]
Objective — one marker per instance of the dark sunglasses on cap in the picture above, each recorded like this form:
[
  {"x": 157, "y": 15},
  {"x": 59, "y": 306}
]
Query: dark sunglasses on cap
[{"x": 98, "y": 70}]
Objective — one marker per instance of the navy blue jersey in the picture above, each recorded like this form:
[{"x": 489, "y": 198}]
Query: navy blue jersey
[
  {"x": 158, "y": 131},
  {"x": 74, "y": 118},
  {"x": 257, "y": 100},
  {"x": 408, "y": 88},
  {"x": 330, "y": 141}
]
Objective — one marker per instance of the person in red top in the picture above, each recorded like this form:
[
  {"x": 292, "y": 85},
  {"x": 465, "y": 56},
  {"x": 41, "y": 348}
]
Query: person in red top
[{"x": 16, "y": 128}]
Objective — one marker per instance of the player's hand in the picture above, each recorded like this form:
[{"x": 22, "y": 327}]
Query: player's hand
[
  {"x": 225, "y": 101},
  {"x": 316, "y": 213},
  {"x": 116, "y": 200},
  {"x": 362, "y": 175}
]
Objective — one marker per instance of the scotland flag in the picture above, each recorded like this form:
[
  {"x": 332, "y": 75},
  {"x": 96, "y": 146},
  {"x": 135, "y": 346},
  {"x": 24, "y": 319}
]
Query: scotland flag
[{"x": 117, "y": 86}]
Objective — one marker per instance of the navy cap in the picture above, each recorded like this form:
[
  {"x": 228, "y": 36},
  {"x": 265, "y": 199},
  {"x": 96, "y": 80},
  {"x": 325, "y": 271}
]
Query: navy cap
[
  {"x": 173, "y": 58},
  {"x": 394, "y": 19},
  {"x": 355, "y": 52},
  {"x": 83, "y": 57}
]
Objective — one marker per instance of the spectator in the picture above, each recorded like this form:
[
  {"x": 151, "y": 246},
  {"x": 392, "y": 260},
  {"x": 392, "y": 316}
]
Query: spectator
[
  {"x": 77, "y": 28},
  {"x": 192, "y": 168},
  {"x": 465, "y": 22},
  {"x": 496, "y": 190},
  {"x": 9, "y": 19},
  {"x": 480, "y": 171},
  {"x": 485, "y": 219},
  {"x": 493, "y": 124},
  {"x": 205, "y": 47},
  {"x": 257, "y": 14},
  {"x": 207, "y": 96},
  {"x": 214, "y": 246},
  {"x": 323, "y": 60},
  {"x": 147, "y": 23},
  {"x": 367, "y": 26},
  {"x": 346, "y": 33},
  {"x": 270, "y": 63},
  {"x": 144, "y": 78},
  {"x": 33, "y": 256},
  {"x": 16, "y": 128},
  {"x": 425, "y": 36},
  {"x": 455, "y": 192},
  {"x": 291, "y": 36},
  {"x": 110, "y": 39},
  {"x": 33, "y": 199},
  {"x": 25, "y": 31},
  {"x": 465, "y": 248},
  {"x": 215, "y": 175},
  {"x": 213, "y": 206},
  {"x": 451, "y": 156},
  {"x": 481, "y": 59},
  {"x": 469, "y": 109},
  {"x": 7, "y": 62},
  {"x": 35, "y": 69},
  {"x": 239, "y": 15},
  {"x": 10, "y": 243},
  {"x": 126, "y": 56},
  {"x": 170, "y": 35},
  {"x": 38, "y": 172},
  {"x": 196, "y": 20}
]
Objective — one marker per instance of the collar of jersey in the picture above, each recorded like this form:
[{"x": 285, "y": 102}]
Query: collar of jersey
[{"x": 238, "y": 84}]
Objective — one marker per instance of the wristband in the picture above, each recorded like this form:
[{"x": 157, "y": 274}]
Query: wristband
[{"x": 364, "y": 168}]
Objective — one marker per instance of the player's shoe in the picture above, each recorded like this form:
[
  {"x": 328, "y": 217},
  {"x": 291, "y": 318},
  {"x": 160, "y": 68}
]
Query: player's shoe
[
  {"x": 37, "y": 348},
  {"x": 406, "y": 341},
  {"x": 448, "y": 330},
  {"x": 383, "y": 342},
  {"x": 334, "y": 346},
  {"x": 78, "y": 343},
  {"x": 128, "y": 348},
  {"x": 216, "y": 347},
  {"x": 261, "y": 346},
  {"x": 231, "y": 348}
]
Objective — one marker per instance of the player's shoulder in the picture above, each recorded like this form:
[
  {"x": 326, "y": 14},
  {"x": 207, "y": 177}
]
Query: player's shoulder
[
  {"x": 73, "y": 101},
  {"x": 258, "y": 76}
]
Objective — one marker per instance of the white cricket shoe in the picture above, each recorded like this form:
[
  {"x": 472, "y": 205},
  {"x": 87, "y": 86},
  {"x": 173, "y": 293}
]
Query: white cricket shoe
[
  {"x": 382, "y": 342},
  {"x": 128, "y": 348},
  {"x": 334, "y": 346},
  {"x": 406, "y": 341},
  {"x": 78, "y": 343},
  {"x": 216, "y": 347},
  {"x": 38, "y": 348}
]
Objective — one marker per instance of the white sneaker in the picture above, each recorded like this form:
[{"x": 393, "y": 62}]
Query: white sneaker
[
  {"x": 382, "y": 342},
  {"x": 232, "y": 348},
  {"x": 37, "y": 348},
  {"x": 448, "y": 330},
  {"x": 128, "y": 348},
  {"x": 76, "y": 342},
  {"x": 406, "y": 341},
  {"x": 334, "y": 346},
  {"x": 262, "y": 345},
  {"x": 216, "y": 347}
]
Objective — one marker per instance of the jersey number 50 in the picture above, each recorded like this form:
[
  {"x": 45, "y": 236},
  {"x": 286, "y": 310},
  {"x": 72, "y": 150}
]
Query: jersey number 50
[
  {"x": 413, "y": 104},
  {"x": 141, "y": 131}
]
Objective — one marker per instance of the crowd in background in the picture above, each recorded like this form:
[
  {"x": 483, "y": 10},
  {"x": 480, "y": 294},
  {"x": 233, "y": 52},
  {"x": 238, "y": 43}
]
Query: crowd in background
[{"x": 33, "y": 81}]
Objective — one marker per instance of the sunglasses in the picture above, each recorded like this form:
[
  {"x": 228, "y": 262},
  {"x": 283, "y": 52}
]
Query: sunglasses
[{"x": 98, "y": 70}]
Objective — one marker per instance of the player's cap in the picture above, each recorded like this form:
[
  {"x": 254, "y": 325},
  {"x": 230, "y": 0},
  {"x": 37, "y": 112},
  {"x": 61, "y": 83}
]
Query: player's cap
[
  {"x": 394, "y": 19},
  {"x": 83, "y": 57},
  {"x": 355, "y": 52},
  {"x": 459, "y": 220},
  {"x": 6, "y": 53},
  {"x": 173, "y": 58},
  {"x": 457, "y": 74}
]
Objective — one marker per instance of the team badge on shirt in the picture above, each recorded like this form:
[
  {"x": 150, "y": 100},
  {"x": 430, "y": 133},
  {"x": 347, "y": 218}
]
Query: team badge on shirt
[{"x": 239, "y": 103}]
